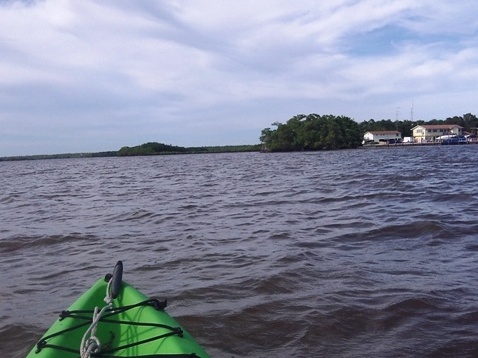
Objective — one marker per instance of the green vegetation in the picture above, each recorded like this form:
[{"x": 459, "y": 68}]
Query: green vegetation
[
  {"x": 312, "y": 132},
  {"x": 225, "y": 149},
  {"x": 153, "y": 148},
  {"x": 61, "y": 156},
  {"x": 150, "y": 148}
]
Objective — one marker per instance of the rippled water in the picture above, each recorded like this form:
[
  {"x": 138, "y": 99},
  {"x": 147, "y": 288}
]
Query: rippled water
[{"x": 346, "y": 254}]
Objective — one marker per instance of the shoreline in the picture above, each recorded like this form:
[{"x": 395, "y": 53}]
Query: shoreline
[{"x": 401, "y": 145}]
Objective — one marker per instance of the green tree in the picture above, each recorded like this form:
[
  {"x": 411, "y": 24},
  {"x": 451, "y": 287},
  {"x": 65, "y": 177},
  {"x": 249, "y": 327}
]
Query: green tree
[{"x": 312, "y": 132}]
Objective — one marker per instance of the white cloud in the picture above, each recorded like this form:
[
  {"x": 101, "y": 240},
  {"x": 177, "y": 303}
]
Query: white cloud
[{"x": 176, "y": 71}]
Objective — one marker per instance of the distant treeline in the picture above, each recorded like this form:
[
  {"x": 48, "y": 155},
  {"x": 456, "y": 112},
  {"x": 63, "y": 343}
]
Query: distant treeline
[
  {"x": 226, "y": 149},
  {"x": 150, "y": 148},
  {"x": 316, "y": 132},
  {"x": 154, "y": 148},
  {"x": 61, "y": 156}
]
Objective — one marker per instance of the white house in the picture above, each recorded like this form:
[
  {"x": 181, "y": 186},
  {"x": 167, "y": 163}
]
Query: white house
[
  {"x": 382, "y": 136},
  {"x": 430, "y": 132}
]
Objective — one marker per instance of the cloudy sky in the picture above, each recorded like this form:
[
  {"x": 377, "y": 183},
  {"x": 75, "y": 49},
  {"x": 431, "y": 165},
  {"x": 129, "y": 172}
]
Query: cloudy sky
[{"x": 89, "y": 75}]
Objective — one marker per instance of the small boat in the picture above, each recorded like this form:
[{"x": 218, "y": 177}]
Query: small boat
[
  {"x": 449, "y": 140},
  {"x": 113, "y": 319}
]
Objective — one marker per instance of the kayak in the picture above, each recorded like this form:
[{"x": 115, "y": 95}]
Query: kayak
[{"x": 113, "y": 319}]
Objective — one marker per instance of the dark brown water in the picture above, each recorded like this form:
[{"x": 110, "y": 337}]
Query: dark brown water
[{"x": 338, "y": 254}]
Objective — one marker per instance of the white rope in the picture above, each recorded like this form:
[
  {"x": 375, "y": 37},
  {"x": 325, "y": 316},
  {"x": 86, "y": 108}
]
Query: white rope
[{"x": 90, "y": 343}]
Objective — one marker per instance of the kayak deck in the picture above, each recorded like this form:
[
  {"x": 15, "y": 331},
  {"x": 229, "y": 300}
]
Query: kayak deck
[{"x": 134, "y": 327}]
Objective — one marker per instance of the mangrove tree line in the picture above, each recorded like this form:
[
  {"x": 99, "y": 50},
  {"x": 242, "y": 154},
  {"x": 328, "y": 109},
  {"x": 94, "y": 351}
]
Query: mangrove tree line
[{"x": 312, "y": 132}]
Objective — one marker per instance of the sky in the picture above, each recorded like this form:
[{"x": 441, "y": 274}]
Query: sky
[{"x": 89, "y": 75}]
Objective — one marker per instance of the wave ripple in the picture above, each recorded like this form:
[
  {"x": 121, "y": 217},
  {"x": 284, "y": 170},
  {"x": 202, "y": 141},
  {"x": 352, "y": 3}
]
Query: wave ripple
[{"x": 346, "y": 253}]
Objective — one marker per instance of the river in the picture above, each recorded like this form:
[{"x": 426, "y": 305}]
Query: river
[{"x": 350, "y": 253}]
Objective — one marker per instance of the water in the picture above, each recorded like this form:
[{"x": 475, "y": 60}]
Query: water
[{"x": 338, "y": 254}]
